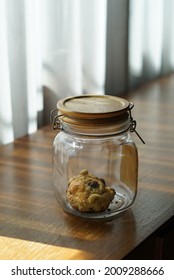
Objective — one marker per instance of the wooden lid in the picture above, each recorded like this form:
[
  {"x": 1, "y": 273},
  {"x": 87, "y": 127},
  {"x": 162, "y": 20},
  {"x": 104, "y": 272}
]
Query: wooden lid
[{"x": 92, "y": 106}]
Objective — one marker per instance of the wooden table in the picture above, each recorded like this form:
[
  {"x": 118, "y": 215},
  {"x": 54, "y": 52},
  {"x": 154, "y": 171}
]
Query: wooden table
[{"x": 32, "y": 225}]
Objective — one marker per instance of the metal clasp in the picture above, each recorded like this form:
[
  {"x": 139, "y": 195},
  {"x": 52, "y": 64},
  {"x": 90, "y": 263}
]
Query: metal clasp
[
  {"x": 133, "y": 123},
  {"x": 54, "y": 119}
]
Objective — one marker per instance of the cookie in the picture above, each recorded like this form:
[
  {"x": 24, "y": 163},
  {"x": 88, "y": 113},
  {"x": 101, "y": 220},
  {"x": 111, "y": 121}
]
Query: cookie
[{"x": 88, "y": 193}]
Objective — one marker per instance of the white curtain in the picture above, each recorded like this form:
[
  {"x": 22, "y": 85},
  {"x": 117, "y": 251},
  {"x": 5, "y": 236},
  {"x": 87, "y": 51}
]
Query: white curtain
[
  {"x": 151, "y": 40},
  {"x": 50, "y": 49}
]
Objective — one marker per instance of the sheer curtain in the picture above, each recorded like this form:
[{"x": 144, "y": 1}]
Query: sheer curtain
[
  {"x": 151, "y": 40},
  {"x": 140, "y": 42},
  {"x": 50, "y": 49}
]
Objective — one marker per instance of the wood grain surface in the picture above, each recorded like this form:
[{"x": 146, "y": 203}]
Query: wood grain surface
[{"x": 33, "y": 226}]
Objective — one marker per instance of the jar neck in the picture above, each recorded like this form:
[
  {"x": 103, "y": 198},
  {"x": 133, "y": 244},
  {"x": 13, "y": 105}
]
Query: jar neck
[{"x": 104, "y": 130}]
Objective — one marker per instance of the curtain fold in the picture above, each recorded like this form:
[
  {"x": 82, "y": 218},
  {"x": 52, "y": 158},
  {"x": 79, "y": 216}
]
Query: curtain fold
[
  {"x": 74, "y": 51},
  {"x": 151, "y": 40},
  {"x": 6, "y": 126},
  {"x": 20, "y": 84}
]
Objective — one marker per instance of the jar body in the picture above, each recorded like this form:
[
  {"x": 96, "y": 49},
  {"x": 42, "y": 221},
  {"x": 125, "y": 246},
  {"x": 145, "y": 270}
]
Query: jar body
[{"x": 111, "y": 157}]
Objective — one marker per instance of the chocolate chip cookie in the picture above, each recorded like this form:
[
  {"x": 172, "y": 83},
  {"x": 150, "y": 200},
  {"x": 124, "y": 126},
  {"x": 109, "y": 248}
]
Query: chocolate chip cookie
[{"x": 88, "y": 193}]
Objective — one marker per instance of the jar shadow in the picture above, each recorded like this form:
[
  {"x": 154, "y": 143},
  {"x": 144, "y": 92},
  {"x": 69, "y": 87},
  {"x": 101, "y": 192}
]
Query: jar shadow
[{"x": 101, "y": 239}]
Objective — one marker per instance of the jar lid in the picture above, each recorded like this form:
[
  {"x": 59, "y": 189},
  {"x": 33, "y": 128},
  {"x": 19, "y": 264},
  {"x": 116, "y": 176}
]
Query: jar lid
[
  {"x": 94, "y": 114},
  {"x": 92, "y": 106}
]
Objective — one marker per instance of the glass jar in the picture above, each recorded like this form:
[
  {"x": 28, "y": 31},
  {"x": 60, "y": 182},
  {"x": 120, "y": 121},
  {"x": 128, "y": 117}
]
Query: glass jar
[{"x": 95, "y": 161}]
